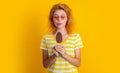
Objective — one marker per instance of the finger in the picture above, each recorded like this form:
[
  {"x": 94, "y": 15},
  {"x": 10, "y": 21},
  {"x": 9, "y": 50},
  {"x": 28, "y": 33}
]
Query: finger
[
  {"x": 55, "y": 47},
  {"x": 56, "y": 53},
  {"x": 54, "y": 50},
  {"x": 61, "y": 46}
]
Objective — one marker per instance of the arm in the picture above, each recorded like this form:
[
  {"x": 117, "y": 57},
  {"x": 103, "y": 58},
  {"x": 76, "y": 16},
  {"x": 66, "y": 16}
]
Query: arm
[
  {"x": 47, "y": 61},
  {"x": 74, "y": 61}
]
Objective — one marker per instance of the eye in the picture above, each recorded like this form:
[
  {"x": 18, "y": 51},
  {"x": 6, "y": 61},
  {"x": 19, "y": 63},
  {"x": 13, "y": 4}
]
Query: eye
[
  {"x": 55, "y": 17},
  {"x": 62, "y": 17}
]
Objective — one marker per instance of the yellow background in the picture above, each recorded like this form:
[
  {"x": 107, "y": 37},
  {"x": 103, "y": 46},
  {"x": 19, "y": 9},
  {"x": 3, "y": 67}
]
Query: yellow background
[{"x": 23, "y": 22}]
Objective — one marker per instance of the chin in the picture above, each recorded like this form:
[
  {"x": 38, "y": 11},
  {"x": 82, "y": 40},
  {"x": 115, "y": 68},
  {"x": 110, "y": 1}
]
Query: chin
[{"x": 60, "y": 27}]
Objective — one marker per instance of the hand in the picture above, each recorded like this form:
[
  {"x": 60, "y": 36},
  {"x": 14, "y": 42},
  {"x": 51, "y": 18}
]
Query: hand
[
  {"x": 55, "y": 52},
  {"x": 60, "y": 48}
]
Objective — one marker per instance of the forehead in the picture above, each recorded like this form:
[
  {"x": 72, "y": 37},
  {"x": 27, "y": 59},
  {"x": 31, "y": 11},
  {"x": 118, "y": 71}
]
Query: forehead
[{"x": 59, "y": 12}]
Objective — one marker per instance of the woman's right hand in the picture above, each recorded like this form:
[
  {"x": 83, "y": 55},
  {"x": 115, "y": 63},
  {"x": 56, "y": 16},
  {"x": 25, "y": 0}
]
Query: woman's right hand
[{"x": 54, "y": 51}]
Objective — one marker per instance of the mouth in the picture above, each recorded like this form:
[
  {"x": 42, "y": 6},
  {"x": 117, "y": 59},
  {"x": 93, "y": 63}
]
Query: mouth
[{"x": 59, "y": 24}]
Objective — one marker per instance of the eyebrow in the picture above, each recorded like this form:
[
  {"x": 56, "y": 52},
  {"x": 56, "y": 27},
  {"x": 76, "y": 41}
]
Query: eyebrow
[
  {"x": 61, "y": 14},
  {"x": 55, "y": 14}
]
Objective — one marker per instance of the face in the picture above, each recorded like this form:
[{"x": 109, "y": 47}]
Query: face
[{"x": 60, "y": 18}]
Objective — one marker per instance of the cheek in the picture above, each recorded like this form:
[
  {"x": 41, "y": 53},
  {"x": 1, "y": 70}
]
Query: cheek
[
  {"x": 65, "y": 20},
  {"x": 54, "y": 20}
]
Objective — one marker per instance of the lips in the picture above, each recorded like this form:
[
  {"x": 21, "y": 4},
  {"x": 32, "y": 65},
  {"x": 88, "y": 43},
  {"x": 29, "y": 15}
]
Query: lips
[{"x": 59, "y": 23}]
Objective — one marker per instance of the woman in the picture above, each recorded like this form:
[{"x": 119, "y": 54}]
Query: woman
[{"x": 61, "y": 57}]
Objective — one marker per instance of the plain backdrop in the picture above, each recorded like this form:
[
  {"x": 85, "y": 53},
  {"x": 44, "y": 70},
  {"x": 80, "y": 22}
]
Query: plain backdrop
[{"x": 24, "y": 22}]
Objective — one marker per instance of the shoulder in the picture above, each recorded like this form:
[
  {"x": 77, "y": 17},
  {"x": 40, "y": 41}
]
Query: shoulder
[
  {"x": 75, "y": 34},
  {"x": 46, "y": 35}
]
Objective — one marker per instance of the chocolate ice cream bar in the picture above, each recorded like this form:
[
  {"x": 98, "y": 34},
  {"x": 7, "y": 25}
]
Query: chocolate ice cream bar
[{"x": 59, "y": 37}]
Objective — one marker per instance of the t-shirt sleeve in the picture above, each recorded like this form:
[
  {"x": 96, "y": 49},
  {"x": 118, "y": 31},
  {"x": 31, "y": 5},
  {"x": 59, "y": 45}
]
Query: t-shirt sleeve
[
  {"x": 78, "y": 42},
  {"x": 43, "y": 43}
]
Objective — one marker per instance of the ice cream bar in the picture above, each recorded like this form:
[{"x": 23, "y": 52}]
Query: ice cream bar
[{"x": 59, "y": 37}]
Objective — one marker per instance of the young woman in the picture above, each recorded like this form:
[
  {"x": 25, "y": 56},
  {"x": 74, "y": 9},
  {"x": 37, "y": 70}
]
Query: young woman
[{"x": 61, "y": 57}]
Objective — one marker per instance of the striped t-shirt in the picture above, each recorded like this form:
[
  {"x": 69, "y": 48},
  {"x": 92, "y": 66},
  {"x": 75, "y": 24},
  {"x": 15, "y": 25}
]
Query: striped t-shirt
[{"x": 72, "y": 42}]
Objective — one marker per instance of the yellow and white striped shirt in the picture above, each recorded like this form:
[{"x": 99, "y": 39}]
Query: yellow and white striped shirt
[{"x": 72, "y": 42}]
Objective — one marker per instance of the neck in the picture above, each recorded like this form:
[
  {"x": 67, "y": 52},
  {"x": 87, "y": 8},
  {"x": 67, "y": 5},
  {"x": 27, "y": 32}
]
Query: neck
[{"x": 61, "y": 30}]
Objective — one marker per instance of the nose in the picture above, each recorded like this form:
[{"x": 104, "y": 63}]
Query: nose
[{"x": 59, "y": 18}]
